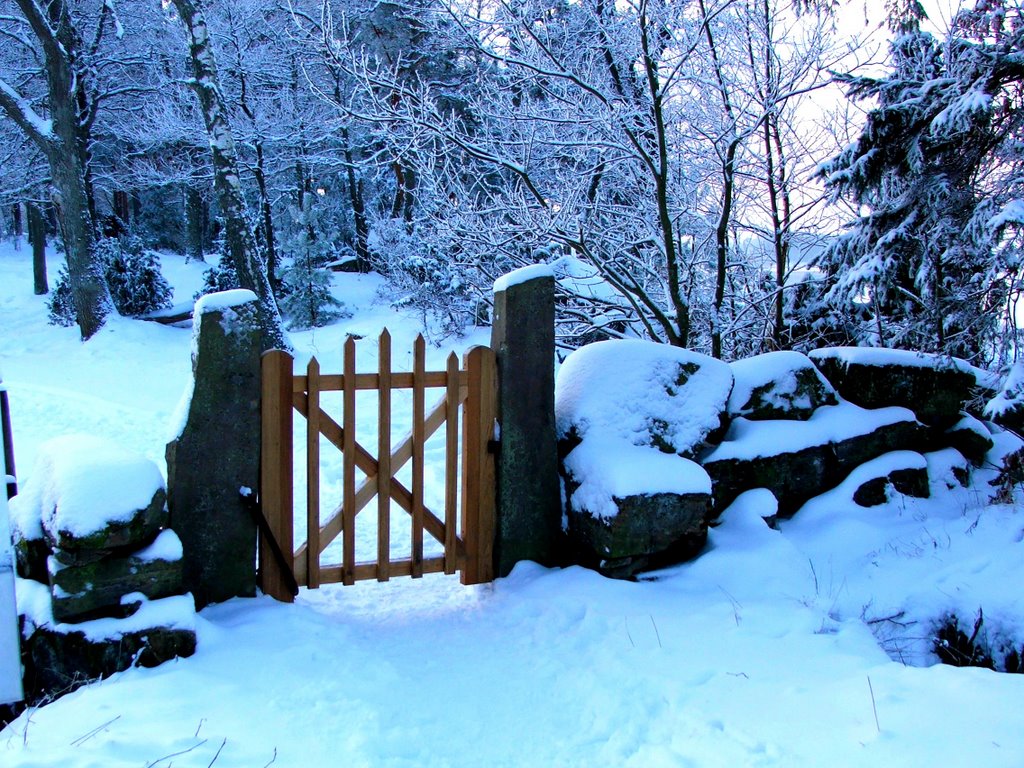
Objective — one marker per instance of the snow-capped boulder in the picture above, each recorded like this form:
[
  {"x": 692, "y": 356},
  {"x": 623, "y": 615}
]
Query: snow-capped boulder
[
  {"x": 971, "y": 437},
  {"x": 797, "y": 460},
  {"x": 1007, "y": 407},
  {"x": 904, "y": 472},
  {"x": 631, "y": 508},
  {"x": 936, "y": 388},
  {"x": 629, "y": 415},
  {"x": 89, "y": 497},
  {"x": 87, "y": 590},
  {"x": 61, "y": 657},
  {"x": 644, "y": 394},
  {"x": 778, "y": 385}
]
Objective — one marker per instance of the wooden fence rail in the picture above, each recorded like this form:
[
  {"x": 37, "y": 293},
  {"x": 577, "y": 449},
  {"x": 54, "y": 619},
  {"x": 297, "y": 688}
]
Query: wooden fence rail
[{"x": 472, "y": 387}]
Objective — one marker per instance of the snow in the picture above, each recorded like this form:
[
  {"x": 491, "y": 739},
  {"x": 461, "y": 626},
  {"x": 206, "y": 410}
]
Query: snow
[
  {"x": 777, "y": 368},
  {"x": 748, "y": 439},
  {"x": 166, "y": 546},
  {"x": 218, "y": 302},
  {"x": 775, "y": 648},
  {"x": 628, "y": 388},
  {"x": 611, "y": 469},
  {"x": 522, "y": 275},
  {"x": 82, "y": 483},
  {"x": 903, "y": 357}
]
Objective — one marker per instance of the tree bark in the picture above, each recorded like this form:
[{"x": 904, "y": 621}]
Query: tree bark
[
  {"x": 64, "y": 142},
  {"x": 37, "y": 236},
  {"x": 238, "y": 238}
]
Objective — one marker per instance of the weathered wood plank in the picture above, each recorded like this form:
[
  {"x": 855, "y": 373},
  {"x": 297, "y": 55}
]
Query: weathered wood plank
[
  {"x": 333, "y": 574},
  {"x": 478, "y": 471},
  {"x": 313, "y": 474},
  {"x": 384, "y": 457},
  {"x": 348, "y": 480},
  {"x": 451, "y": 466},
  {"x": 419, "y": 357},
  {"x": 364, "y": 381},
  {"x": 276, "y": 467}
]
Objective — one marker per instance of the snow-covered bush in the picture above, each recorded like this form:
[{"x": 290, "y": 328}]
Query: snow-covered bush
[
  {"x": 61, "y": 306},
  {"x": 220, "y": 277},
  {"x": 133, "y": 275},
  {"x": 307, "y": 301}
]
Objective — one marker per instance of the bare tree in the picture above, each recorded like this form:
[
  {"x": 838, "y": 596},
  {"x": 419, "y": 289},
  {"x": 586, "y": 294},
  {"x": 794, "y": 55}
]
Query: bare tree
[
  {"x": 49, "y": 30},
  {"x": 239, "y": 241}
]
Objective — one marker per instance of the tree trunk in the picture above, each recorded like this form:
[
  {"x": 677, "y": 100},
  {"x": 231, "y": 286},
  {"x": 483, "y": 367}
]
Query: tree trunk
[
  {"x": 37, "y": 236},
  {"x": 18, "y": 228},
  {"x": 194, "y": 223},
  {"x": 238, "y": 238},
  {"x": 64, "y": 142}
]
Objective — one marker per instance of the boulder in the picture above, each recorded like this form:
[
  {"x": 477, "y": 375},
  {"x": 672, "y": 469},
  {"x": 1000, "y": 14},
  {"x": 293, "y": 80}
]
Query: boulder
[
  {"x": 648, "y": 531},
  {"x": 89, "y": 497},
  {"x": 905, "y": 472},
  {"x": 643, "y": 394},
  {"x": 971, "y": 437},
  {"x": 793, "y": 477},
  {"x": 936, "y": 388},
  {"x": 632, "y": 508},
  {"x": 798, "y": 460},
  {"x": 216, "y": 451},
  {"x": 81, "y": 592},
  {"x": 778, "y": 385},
  {"x": 1006, "y": 408},
  {"x": 59, "y": 658}
]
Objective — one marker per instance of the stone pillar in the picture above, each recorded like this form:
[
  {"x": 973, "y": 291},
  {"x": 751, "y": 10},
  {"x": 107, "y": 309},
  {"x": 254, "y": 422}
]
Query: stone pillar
[
  {"x": 529, "y": 515},
  {"x": 216, "y": 452}
]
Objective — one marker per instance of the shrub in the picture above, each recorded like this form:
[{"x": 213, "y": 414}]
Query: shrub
[
  {"x": 133, "y": 275},
  {"x": 61, "y": 306}
]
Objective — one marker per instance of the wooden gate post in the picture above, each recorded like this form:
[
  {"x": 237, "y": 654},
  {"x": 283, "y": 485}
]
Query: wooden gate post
[
  {"x": 478, "y": 472},
  {"x": 276, "y": 470}
]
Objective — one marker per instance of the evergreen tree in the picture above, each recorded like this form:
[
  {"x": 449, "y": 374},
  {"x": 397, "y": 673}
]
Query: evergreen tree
[
  {"x": 308, "y": 301},
  {"x": 937, "y": 175}
]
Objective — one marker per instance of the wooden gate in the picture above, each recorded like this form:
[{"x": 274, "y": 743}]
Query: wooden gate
[{"x": 470, "y": 388}]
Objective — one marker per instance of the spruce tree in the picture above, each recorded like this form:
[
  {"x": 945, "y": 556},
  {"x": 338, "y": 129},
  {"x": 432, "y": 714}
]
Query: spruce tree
[{"x": 938, "y": 179}]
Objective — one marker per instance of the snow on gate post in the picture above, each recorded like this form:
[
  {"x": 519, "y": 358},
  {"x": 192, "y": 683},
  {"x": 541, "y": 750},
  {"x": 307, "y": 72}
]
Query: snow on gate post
[
  {"x": 523, "y": 338},
  {"x": 216, "y": 452}
]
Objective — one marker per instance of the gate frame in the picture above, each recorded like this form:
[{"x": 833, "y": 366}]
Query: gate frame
[{"x": 282, "y": 393}]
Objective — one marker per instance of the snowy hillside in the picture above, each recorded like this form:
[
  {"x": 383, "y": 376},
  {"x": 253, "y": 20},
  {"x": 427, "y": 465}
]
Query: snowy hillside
[{"x": 774, "y": 648}]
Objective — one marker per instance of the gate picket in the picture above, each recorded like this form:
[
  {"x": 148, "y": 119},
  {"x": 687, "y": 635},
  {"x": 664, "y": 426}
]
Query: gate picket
[{"x": 471, "y": 386}]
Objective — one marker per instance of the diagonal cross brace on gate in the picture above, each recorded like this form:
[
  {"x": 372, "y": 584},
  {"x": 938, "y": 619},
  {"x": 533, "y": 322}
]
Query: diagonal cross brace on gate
[{"x": 471, "y": 388}]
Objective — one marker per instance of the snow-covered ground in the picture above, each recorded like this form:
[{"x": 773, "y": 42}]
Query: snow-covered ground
[{"x": 774, "y": 648}]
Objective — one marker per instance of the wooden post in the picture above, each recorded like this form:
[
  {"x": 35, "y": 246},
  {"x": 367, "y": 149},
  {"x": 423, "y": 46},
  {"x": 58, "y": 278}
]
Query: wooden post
[
  {"x": 348, "y": 466},
  {"x": 478, "y": 471},
  {"x": 384, "y": 458},
  {"x": 276, "y": 468},
  {"x": 313, "y": 474},
  {"x": 451, "y": 466},
  {"x": 419, "y": 358}
]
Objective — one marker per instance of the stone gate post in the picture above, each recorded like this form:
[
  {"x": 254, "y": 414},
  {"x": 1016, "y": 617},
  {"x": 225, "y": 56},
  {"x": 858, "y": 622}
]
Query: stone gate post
[{"x": 523, "y": 337}]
